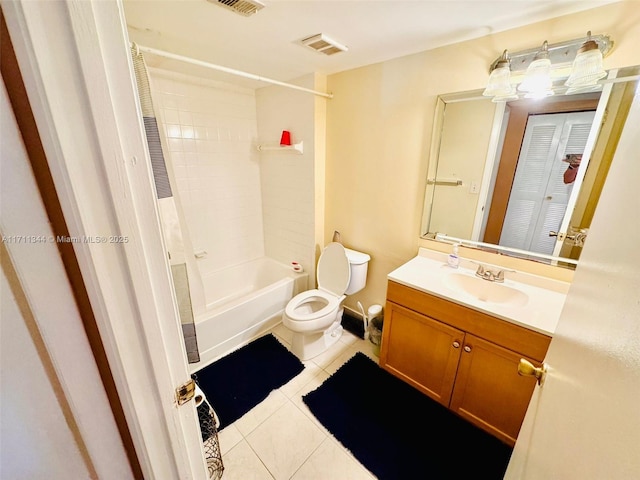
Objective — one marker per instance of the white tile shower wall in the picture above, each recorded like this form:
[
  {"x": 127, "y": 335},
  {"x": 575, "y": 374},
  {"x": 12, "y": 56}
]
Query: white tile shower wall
[
  {"x": 288, "y": 178},
  {"x": 211, "y": 133}
]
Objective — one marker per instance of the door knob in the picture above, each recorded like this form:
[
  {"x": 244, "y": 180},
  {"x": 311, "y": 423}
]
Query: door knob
[{"x": 527, "y": 369}]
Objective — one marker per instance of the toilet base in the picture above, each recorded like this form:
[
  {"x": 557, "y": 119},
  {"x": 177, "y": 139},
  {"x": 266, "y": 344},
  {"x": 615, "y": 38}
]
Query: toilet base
[{"x": 305, "y": 346}]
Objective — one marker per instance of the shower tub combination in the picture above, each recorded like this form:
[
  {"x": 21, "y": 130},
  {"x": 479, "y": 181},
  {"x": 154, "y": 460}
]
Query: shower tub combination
[{"x": 242, "y": 302}]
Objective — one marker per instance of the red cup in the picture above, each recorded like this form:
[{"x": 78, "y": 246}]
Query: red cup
[{"x": 285, "y": 139}]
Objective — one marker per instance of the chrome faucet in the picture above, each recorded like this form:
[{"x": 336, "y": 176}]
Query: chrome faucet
[{"x": 490, "y": 275}]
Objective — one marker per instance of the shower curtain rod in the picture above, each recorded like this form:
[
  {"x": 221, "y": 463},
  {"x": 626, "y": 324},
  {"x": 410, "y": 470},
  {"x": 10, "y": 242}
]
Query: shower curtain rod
[{"x": 232, "y": 71}]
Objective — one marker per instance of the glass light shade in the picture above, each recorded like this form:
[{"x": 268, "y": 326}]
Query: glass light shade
[
  {"x": 537, "y": 80},
  {"x": 505, "y": 98},
  {"x": 586, "y": 89},
  {"x": 538, "y": 95},
  {"x": 587, "y": 68},
  {"x": 499, "y": 83}
]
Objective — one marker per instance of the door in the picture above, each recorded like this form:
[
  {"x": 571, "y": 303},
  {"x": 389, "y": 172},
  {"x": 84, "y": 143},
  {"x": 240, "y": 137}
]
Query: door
[
  {"x": 47, "y": 390},
  {"x": 539, "y": 194},
  {"x": 519, "y": 113},
  {"x": 583, "y": 422},
  {"x": 421, "y": 351},
  {"x": 78, "y": 76},
  {"x": 488, "y": 390}
]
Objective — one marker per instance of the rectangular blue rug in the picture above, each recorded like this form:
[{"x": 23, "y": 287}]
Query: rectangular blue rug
[
  {"x": 399, "y": 433},
  {"x": 237, "y": 382}
]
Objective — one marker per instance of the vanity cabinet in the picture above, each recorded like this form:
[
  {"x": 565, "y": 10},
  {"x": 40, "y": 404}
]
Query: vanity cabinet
[{"x": 465, "y": 359}]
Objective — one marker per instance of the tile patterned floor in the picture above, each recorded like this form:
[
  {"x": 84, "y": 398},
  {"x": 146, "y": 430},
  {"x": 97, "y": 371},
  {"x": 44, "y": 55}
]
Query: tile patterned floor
[{"x": 280, "y": 439}]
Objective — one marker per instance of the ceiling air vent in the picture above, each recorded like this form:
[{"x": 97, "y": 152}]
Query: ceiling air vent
[
  {"x": 243, "y": 7},
  {"x": 323, "y": 44}
]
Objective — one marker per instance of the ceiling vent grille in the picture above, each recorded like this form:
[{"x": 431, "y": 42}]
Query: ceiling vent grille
[
  {"x": 323, "y": 44},
  {"x": 245, "y": 8}
]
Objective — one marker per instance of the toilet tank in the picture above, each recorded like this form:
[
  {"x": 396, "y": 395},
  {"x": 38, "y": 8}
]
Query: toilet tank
[{"x": 358, "y": 263}]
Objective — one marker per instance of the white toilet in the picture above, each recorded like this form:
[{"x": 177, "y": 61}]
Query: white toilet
[{"x": 314, "y": 316}]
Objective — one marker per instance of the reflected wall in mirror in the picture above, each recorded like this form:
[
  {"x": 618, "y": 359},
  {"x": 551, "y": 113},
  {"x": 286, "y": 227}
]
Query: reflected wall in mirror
[{"x": 526, "y": 174}]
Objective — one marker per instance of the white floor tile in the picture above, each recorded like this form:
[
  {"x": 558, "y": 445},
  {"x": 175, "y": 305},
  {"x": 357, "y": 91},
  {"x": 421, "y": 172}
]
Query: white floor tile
[
  {"x": 341, "y": 359},
  {"x": 258, "y": 414},
  {"x": 241, "y": 463},
  {"x": 369, "y": 349},
  {"x": 285, "y": 440},
  {"x": 349, "y": 338},
  {"x": 311, "y": 370},
  {"x": 330, "y": 461},
  {"x": 283, "y": 332},
  {"x": 228, "y": 438},
  {"x": 309, "y": 387},
  {"x": 325, "y": 358}
]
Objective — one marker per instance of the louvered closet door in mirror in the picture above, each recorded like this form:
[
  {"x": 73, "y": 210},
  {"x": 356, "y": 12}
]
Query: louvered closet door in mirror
[{"x": 539, "y": 196}]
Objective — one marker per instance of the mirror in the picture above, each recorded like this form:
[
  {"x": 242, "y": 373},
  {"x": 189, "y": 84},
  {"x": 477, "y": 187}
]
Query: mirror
[{"x": 523, "y": 177}]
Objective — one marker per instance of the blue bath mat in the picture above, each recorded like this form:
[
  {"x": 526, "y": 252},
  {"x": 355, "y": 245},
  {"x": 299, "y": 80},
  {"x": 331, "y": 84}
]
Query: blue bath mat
[
  {"x": 397, "y": 432},
  {"x": 237, "y": 382}
]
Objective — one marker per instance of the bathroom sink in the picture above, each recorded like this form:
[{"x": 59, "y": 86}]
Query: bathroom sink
[{"x": 486, "y": 291}]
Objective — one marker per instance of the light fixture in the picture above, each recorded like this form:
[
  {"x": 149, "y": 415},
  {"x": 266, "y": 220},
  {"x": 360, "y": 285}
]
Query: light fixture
[
  {"x": 575, "y": 65},
  {"x": 587, "y": 68},
  {"x": 537, "y": 80},
  {"x": 499, "y": 86}
]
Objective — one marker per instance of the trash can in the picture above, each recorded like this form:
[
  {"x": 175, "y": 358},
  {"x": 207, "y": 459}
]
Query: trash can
[{"x": 375, "y": 317}]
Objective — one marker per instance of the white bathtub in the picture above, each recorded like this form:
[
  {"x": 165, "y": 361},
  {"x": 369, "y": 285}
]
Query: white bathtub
[{"x": 243, "y": 301}]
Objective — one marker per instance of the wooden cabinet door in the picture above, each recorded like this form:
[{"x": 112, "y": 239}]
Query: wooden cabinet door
[
  {"x": 421, "y": 351},
  {"x": 488, "y": 390}
]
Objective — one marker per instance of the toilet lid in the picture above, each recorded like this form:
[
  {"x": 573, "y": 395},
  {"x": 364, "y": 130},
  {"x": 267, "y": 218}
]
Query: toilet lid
[{"x": 333, "y": 270}]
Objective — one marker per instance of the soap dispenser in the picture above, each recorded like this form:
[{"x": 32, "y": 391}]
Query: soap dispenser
[{"x": 453, "y": 259}]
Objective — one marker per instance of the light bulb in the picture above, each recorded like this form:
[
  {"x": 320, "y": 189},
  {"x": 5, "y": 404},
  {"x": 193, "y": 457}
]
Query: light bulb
[{"x": 537, "y": 81}]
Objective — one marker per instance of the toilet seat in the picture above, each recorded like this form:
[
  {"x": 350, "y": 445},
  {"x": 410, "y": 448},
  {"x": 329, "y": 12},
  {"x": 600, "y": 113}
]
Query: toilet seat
[
  {"x": 331, "y": 303},
  {"x": 333, "y": 273},
  {"x": 297, "y": 320}
]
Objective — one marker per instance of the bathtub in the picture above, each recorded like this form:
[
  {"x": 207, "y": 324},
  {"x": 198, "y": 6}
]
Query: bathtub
[{"x": 242, "y": 302}]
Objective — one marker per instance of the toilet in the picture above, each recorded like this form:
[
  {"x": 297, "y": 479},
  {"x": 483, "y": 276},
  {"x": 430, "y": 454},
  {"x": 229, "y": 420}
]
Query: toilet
[{"x": 314, "y": 316}]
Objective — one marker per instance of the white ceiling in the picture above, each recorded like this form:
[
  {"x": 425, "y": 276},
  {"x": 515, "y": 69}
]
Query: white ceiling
[{"x": 266, "y": 43}]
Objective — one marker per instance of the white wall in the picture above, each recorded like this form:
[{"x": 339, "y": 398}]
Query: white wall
[
  {"x": 239, "y": 203},
  {"x": 288, "y": 178},
  {"x": 210, "y": 133}
]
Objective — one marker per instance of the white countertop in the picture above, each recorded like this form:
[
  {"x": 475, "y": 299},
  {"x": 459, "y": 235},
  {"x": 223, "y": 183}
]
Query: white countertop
[{"x": 428, "y": 271}]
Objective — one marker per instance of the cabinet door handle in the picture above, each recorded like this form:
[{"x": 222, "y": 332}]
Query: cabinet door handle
[
  {"x": 467, "y": 348},
  {"x": 456, "y": 344}
]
